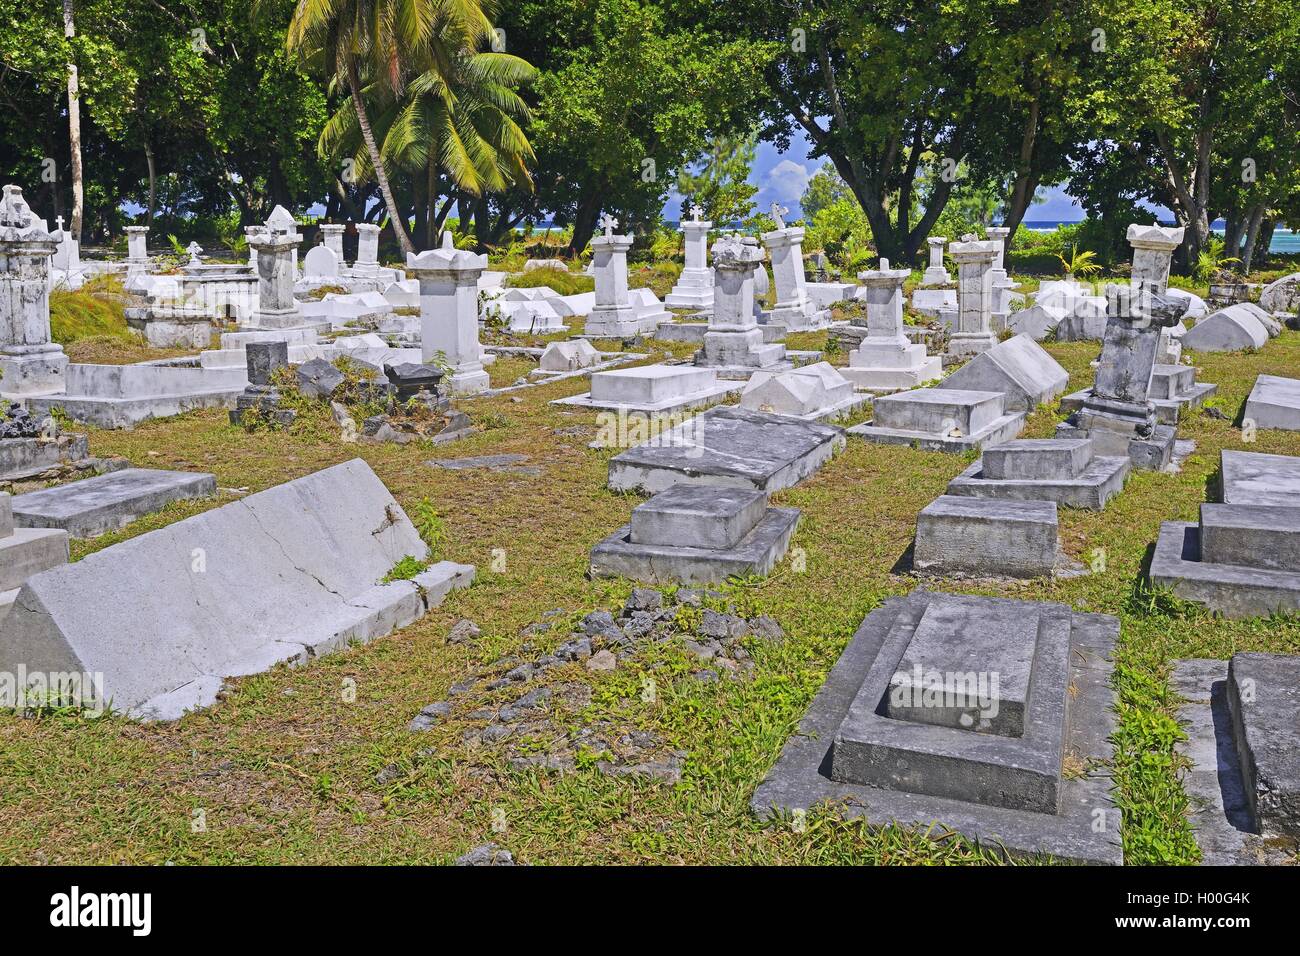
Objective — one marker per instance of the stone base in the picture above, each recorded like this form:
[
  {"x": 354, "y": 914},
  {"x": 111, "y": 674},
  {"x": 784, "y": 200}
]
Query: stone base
[
  {"x": 1155, "y": 453},
  {"x": 936, "y": 419},
  {"x": 729, "y": 447},
  {"x": 168, "y": 328},
  {"x": 681, "y": 331},
  {"x": 1223, "y": 815},
  {"x": 969, "y": 344},
  {"x": 689, "y": 298},
  {"x": 756, "y": 554},
  {"x": 29, "y": 551},
  {"x": 940, "y": 766},
  {"x": 806, "y": 319},
  {"x": 1168, "y": 410},
  {"x": 986, "y": 537},
  {"x": 652, "y": 389},
  {"x": 1274, "y": 402},
  {"x": 105, "y": 503},
  {"x": 126, "y": 413},
  {"x": 28, "y": 371},
  {"x": 1100, "y": 480},
  {"x": 27, "y": 457},
  {"x": 1232, "y": 590},
  {"x": 619, "y": 323},
  {"x": 466, "y": 380},
  {"x": 894, "y": 379}
]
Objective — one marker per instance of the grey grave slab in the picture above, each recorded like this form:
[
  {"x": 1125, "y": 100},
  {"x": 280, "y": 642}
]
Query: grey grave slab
[
  {"x": 26, "y": 551},
  {"x": 961, "y": 535},
  {"x": 1219, "y": 806},
  {"x": 1061, "y": 470},
  {"x": 1274, "y": 402},
  {"x": 698, "y": 516},
  {"x": 728, "y": 447},
  {"x": 1174, "y": 389},
  {"x": 1234, "y": 591},
  {"x": 1253, "y": 536},
  {"x": 757, "y": 553},
  {"x": 1156, "y": 452},
  {"x": 933, "y": 419},
  {"x": 1037, "y": 458},
  {"x": 1256, "y": 478},
  {"x": 509, "y": 464},
  {"x": 1264, "y": 701},
  {"x": 1019, "y": 368},
  {"x": 286, "y": 575},
  {"x": 107, "y": 502},
  {"x": 26, "y": 457},
  {"x": 1227, "y": 330},
  {"x": 1082, "y": 825}
]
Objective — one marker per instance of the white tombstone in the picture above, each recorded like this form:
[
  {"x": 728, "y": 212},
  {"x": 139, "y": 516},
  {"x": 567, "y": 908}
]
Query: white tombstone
[
  {"x": 449, "y": 313},
  {"x": 936, "y": 273},
  {"x": 276, "y": 251},
  {"x": 793, "y": 308},
  {"x": 973, "y": 332},
  {"x": 1153, "y": 249},
  {"x": 281, "y": 222},
  {"x": 1003, "y": 287},
  {"x": 733, "y": 337},
  {"x": 694, "y": 287},
  {"x": 367, "y": 263},
  {"x": 67, "y": 259},
  {"x": 30, "y": 364},
  {"x": 251, "y": 233},
  {"x": 886, "y": 359},
  {"x": 568, "y": 356},
  {"x": 613, "y": 316},
  {"x": 810, "y": 392},
  {"x": 320, "y": 262},
  {"x": 332, "y": 238},
  {"x": 137, "y": 251}
]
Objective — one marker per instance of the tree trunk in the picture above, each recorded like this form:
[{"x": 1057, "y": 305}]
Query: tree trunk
[
  {"x": 584, "y": 222},
  {"x": 381, "y": 174},
  {"x": 432, "y": 221},
  {"x": 74, "y": 126},
  {"x": 153, "y": 181},
  {"x": 1252, "y": 237}
]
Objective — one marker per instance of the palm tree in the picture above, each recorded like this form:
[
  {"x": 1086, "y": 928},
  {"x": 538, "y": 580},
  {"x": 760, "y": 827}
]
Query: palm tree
[{"x": 377, "y": 38}]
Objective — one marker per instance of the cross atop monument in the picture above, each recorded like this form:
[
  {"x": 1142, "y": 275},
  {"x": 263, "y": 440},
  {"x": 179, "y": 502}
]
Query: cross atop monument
[
  {"x": 608, "y": 223},
  {"x": 194, "y": 249},
  {"x": 59, "y": 221},
  {"x": 778, "y": 213},
  {"x": 447, "y": 240},
  {"x": 696, "y": 212}
]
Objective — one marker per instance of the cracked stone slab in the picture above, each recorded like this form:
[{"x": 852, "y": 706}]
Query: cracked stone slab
[
  {"x": 95, "y": 506},
  {"x": 284, "y": 575}
]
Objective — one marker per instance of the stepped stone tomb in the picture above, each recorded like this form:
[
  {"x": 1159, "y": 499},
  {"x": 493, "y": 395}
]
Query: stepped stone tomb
[
  {"x": 613, "y": 316},
  {"x": 284, "y": 575},
  {"x": 1019, "y": 369},
  {"x": 1241, "y": 718},
  {"x": 734, "y": 343},
  {"x": 1117, "y": 413},
  {"x": 1242, "y": 558},
  {"x": 966, "y": 712},
  {"x": 448, "y": 280},
  {"x": 697, "y": 534},
  {"x": 694, "y": 287},
  {"x": 963, "y": 536},
  {"x": 1173, "y": 389},
  {"x": 816, "y": 392},
  {"x": 94, "y": 506},
  {"x": 123, "y": 396},
  {"x": 728, "y": 447},
  {"x": 1274, "y": 402},
  {"x": 24, "y": 552},
  {"x": 653, "y": 389},
  {"x": 794, "y": 309},
  {"x": 885, "y": 359},
  {"x": 1061, "y": 470},
  {"x": 941, "y": 419}
]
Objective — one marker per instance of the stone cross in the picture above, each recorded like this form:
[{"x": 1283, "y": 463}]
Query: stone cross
[
  {"x": 59, "y": 222},
  {"x": 194, "y": 249},
  {"x": 696, "y": 212},
  {"x": 778, "y": 213},
  {"x": 608, "y": 223}
]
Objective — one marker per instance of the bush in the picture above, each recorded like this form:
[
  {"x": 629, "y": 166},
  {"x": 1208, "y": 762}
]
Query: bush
[{"x": 565, "y": 283}]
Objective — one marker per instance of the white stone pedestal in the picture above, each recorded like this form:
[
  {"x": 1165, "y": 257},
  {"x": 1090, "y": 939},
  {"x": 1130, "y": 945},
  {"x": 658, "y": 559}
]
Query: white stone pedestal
[
  {"x": 973, "y": 332},
  {"x": 733, "y": 338},
  {"x": 936, "y": 273},
  {"x": 30, "y": 364},
  {"x": 276, "y": 269},
  {"x": 332, "y": 238},
  {"x": 694, "y": 287},
  {"x": 793, "y": 308},
  {"x": 367, "y": 264},
  {"x": 614, "y": 315},
  {"x": 449, "y": 313},
  {"x": 886, "y": 360}
]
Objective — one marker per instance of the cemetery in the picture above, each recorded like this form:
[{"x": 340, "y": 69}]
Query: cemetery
[{"x": 492, "y": 503}]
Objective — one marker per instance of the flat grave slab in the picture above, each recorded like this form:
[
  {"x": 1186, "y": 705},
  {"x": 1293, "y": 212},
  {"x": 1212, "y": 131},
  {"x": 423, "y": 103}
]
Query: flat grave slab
[
  {"x": 1006, "y": 791},
  {"x": 653, "y": 388},
  {"x": 1255, "y": 478},
  {"x": 107, "y": 502},
  {"x": 966, "y": 536},
  {"x": 935, "y": 419},
  {"x": 1274, "y": 402},
  {"x": 728, "y": 447},
  {"x": 27, "y": 457},
  {"x": 698, "y": 516},
  {"x": 1060, "y": 470}
]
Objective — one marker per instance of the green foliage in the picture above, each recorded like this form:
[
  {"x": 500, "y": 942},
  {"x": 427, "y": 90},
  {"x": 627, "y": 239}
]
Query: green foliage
[
  {"x": 720, "y": 183},
  {"x": 1212, "y": 260},
  {"x": 405, "y": 569},
  {"x": 565, "y": 283},
  {"x": 95, "y": 310},
  {"x": 430, "y": 526},
  {"x": 1082, "y": 264}
]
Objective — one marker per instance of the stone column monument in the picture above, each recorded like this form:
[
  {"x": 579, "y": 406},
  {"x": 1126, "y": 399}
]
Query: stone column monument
[
  {"x": 332, "y": 238},
  {"x": 694, "y": 288},
  {"x": 367, "y": 263},
  {"x": 613, "y": 315},
  {"x": 137, "y": 249},
  {"x": 30, "y": 364},
  {"x": 251, "y": 233},
  {"x": 449, "y": 313},
  {"x": 1153, "y": 248},
  {"x": 936, "y": 273},
  {"x": 1002, "y": 284},
  {"x": 281, "y": 222},
  {"x": 973, "y": 332},
  {"x": 886, "y": 359},
  {"x": 733, "y": 337},
  {"x": 785, "y": 245},
  {"x": 276, "y": 251}
]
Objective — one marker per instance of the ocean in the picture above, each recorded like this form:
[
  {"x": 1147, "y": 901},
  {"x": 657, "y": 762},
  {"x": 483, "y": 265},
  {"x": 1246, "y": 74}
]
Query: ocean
[{"x": 1284, "y": 240}]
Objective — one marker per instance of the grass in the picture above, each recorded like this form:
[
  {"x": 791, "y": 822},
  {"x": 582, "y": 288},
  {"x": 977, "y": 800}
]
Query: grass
[
  {"x": 90, "y": 324},
  {"x": 283, "y": 768}
]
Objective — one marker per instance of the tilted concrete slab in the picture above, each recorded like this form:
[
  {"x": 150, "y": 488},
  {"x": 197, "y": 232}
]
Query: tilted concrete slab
[
  {"x": 1274, "y": 402},
  {"x": 105, "y": 503},
  {"x": 284, "y": 575},
  {"x": 1097, "y": 481},
  {"x": 728, "y": 446},
  {"x": 960, "y": 778},
  {"x": 937, "y": 419},
  {"x": 1228, "y": 330}
]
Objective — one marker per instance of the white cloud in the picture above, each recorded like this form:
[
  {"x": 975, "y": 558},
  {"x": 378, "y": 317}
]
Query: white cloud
[{"x": 787, "y": 181}]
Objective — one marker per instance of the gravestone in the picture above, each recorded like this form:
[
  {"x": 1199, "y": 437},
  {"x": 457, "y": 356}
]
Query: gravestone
[
  {"x": 367, "y": 261},
  {"x": 321, "y": 262},
  {"x": 652, "y": 389},
  {"x": 816, "y": 392},
  {"x": 30, "y": 363},
  {"x": 1281, "y": 295},
  {"x": 137, "y": 251},
  {"x": 793, "y": 308},
  {"x": 332, "y": 239},
  {"x": 694, "y": 287},
  {"x": 886, "y": 359},
  {"x": 734, "y": 341},
  {"x": 613, "y": 315},
  {"x": 987, "y": 716},
  {"x": 1254, "y": 478},
  {"x": 936, "y": 272},
  {"x": 95, "y": 506},
  {"x": 1274, "y": 402},
  {"x": 973, "y": 332},
  {"x": 1062, "y": 470},
  {"x": 1153, "y": 249},
  {"x": 1003, "y": 287},
  {"x": 448, "y": 280},
  {"x": 695, "y": 534},
  {"x": 1019, "y": 368},
  {"x": 568, "y": 356},
  {"x": 277, "y": 250},
  {"x": 986, "y": 537},
  {"x": 260, "y": 396},
  {"x": 24, "y": 552},
  {"x": 1231, "y": 329},
  {"x": 941, "y": 419}
]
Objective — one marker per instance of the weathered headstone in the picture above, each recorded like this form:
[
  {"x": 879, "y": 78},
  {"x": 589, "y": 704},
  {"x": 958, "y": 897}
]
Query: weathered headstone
[
  {"x": 733, "y": 339},
  {"x": 277, "y": 249},
  {"x": 613, "y": 315},
  {"x": 367, "y": 262},
  {"x": 332, "y": 238},
  {"x": 886, "y": 359},
  {"x": 320, "y": 262},
  {"x": 261, "y": 397},
  {"x": 1153, "y": 250},
  {"x": 449, "y": 313},
  {"x": 793, "y": 308},
  {"x": 973, "y": 332},
  {"x": 936, "y": 272},
  {"x": 30, "y": 363},
  {"x": 694, "y": 287},
  {"x": 1019, "y": 368}
]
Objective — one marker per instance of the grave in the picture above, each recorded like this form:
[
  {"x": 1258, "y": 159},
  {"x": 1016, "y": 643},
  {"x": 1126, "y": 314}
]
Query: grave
[
  {"x": 1039, "y": 321},
  {"x": 973, "y": 331},
  {"x": 29, "y": 447},
  {"x": 261, "y": 399},
  {"x": 694, "y": 287},
  {"x": 1241, "y": 560},
  {"x": 652, "y": 389},
  {"x": 1060, "y": 470},
  {"x": 137, "y": 251},
  {"x": 277, "y": 266},
  {"x": 1174, "y": 388},
  {"x": 1241, "y": 718},
  {"x": 123, "y": 396},
  {"x": 167, "y": 326},
  {"x": 696, "y": 534},
  {"x": 1255, "y": 478},
  {"x": 613, "y": 315},
  {"x": 936, "y": 273},
  {"x": 332, "y": 239},
  {"x": 568, "y": 356},
  {"x": 1281, "y": 296},
  {"x": 448, "y": 280},
  {"x": 1153, "y": 248},
  {"x": 941, "y": 419},
  {"x": 95, "y": 506},
  {"x": 886, "y": 359},
  {"x": 729, "y": 447},
  {"x": 24, "y": 552},
  {"x": 30, "y": 362},
  {"x": 284, "y": 575},
  {"x": 1274, "y": 402},
  {"x": 1004, "y": 290},
  {"x": 965, "y": 711},
  {"x": 816, "y": 392},
  {"x": 1117, "y": 413},
  {"x": 825, "y": 294},
  {"x": 1228, "y": 330},
  {"x": 734, "y": 343},
  {"x": 962, "y": 536},
  {"x": 650, "y": 312},
  {"x": 1019, "y": 368},
  {"x": 793, "y": 308},
  {"x": 366, "y": 265},
  {"x": 321, "y": 263}
]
